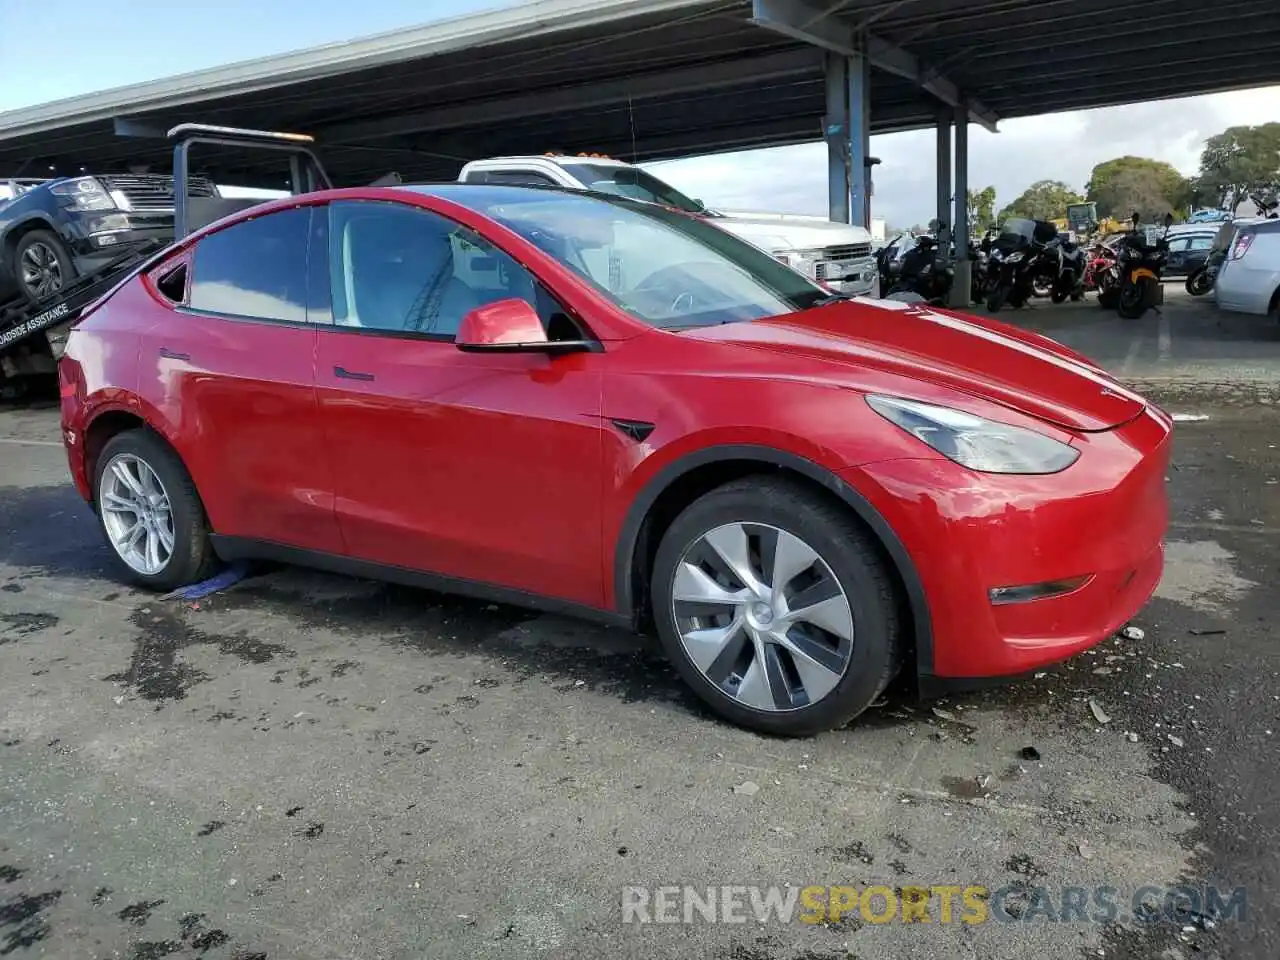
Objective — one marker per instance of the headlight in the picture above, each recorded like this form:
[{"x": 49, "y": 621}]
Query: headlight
[
  {"x": 1015, "y": 257},
  {"x": 83, "y": 193},
  {"x": 982, "y": 445}
]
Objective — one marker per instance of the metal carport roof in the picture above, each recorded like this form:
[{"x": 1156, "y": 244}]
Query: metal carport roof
[{"x": 654, "y": 79}]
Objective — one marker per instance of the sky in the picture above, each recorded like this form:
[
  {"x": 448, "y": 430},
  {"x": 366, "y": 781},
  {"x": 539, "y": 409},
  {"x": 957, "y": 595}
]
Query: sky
[{"x": 96, "y": 50}]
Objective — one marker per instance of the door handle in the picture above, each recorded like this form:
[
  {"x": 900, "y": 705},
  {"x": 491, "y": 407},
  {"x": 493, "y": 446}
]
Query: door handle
[
  {"x": 346, "y": 374},
  {"x": 173, "y": 354}
]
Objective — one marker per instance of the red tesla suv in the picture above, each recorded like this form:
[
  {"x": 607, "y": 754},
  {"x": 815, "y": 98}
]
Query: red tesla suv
[{"x": 585, "y": 403}]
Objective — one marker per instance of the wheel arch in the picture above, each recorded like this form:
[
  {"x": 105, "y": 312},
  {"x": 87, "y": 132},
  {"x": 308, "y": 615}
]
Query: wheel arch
[
  {"x": 37, "y": 220},
  {"x": 679, "y": 483}
]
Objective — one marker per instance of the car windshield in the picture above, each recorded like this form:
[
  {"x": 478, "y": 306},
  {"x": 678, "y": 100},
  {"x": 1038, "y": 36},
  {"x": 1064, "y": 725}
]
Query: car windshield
[
  {"x": 666, "y": 268},
  {"x": 631, "y": 182}
]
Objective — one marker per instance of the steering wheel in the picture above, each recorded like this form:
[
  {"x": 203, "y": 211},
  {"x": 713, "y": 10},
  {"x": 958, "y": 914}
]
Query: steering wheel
[{"x": 662, "y": 282}]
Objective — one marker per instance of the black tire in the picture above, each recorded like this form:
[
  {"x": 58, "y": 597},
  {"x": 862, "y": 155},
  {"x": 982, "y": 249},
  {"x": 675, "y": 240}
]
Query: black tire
[
  {"x": 852, "y": 557},
  {"x": 47, "y": 241},
  {"x": 995, "y": 299},
  {"x": 1131, "y": 303},
  {"x": 1107, "y": 299},
  {"x": 1198, "y": 284},
  {"x": 1058, "y": 296},
  {"x": 1077, "y": 295},
  {"x": 192, "y": 559}
]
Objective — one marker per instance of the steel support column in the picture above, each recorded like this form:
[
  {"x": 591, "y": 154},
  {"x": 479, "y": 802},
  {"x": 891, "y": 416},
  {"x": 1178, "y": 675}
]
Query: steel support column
[
  {"x": 858, "y": 72},
  {"x": 960, "y": 220},
  {"x": 837, "y": 135},
  {"x": 944, "y": 176}
]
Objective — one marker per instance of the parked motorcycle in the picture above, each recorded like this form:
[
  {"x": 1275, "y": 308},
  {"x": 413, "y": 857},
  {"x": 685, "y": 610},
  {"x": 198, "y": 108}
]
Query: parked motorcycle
[
  {"x": 1014, "y": 261},
  {"x": 1061, "y": 267},
  {"x": 914, "y": 265},
  {"x": 1203, "y": 277},
  {"x": 1138, "y": 266},
  {"x": 1098, "y": 264}
]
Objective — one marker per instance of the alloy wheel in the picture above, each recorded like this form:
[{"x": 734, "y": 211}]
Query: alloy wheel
[
  {"x": 136, "y": 514},
  {"x": 762, "y": 616},
  {"x": 41, "y": 270}
]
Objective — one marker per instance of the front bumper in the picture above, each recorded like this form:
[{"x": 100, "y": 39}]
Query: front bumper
[
  {"x": 966, "y": 533},
  {"x": 100, "y": 237}
]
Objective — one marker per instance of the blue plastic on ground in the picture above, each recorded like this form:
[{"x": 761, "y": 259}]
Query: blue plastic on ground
[{"x": 232, "y": 574}]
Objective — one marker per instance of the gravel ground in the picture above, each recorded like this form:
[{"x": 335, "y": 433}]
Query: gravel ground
[{"x": 306, "y": 766}]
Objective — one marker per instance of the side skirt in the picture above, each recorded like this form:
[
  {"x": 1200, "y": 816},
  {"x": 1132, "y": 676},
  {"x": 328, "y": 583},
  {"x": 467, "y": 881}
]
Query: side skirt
[{"x": 241, "y": 548}]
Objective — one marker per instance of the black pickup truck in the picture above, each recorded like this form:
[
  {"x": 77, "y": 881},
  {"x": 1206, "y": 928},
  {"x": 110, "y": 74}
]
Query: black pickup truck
[{"x": 52, "y": 231}]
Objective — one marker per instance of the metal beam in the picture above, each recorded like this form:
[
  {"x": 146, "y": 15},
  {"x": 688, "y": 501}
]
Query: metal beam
[
  {"x": 836, "y": 130},
  {"x": 616, "y": 92},
  {"x": 961, "y": 283},
  {"x": 801, "y": 20},
  {"x": 858, "y": 73}
]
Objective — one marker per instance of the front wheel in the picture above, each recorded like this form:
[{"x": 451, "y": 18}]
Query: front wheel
[
  {"x": 775, "y": 607},
  {"x": 1133, "y": 299},
  {"x": 41, "y": 265},
  {"x": 150, "y": 513},
  {"x": 1058, "y": 296},
  {"x": 995, "y": 299}
]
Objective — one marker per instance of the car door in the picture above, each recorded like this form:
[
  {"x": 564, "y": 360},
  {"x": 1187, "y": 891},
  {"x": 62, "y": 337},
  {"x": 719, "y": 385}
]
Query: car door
[
  {"x": 230, "y": 371},
  {"x": 1177, "y": 261},
  {"x": 483, "y": 467}
]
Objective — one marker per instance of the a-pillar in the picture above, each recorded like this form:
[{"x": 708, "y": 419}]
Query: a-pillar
[{"x": 960, "y": 219}]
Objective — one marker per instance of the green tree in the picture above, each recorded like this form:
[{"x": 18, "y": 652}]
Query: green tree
[
  {"x": 1043, "y": 200},
  {"x": 1125, "y": 184},
  {"x": 1238, "y": 162},
  {"x": 982, "y": 205}
]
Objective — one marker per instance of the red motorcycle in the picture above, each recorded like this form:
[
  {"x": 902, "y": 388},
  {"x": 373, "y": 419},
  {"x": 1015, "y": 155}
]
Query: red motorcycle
[{"x": 1099, "y": 274}]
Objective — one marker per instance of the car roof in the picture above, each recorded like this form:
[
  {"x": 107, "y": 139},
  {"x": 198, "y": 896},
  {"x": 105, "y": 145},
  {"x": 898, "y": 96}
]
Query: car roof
[{"x": 1259, "y": 226}]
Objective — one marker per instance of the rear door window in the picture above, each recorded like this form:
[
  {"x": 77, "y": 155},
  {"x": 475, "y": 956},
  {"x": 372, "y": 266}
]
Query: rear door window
[{"x": 256, "y": 269}]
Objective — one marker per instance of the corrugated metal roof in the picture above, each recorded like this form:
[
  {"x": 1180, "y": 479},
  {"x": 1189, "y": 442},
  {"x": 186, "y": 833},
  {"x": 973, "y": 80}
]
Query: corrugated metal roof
[{"x": 650, "y": 79}]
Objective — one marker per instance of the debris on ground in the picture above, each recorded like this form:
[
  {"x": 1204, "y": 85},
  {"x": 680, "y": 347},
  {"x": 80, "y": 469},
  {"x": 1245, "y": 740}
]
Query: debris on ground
[
  {"x": 748, "y": 788},
  {"x": 1176, "y": 741},
  {"x": 1131, "y": 737},
  {"x": 1132, "y": 633},
  {"x": 1029, "y": 753},
  {"x": 1103, "y": 671},
  {"x": 1084, "y": 850},
  {"x": 1206, "y": 633},
  {"x": 1098, "y": 713},
  {"x": 944, "y": 714}
]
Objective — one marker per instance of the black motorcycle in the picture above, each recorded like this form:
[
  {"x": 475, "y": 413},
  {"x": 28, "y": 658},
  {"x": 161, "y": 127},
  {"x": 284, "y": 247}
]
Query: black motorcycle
[
  {"x": 1015, "y": 261},
  {"x": 1139, "y": 262},
  {"x": 1061, "y": 266},
  {"x": 913, "y": 265}
]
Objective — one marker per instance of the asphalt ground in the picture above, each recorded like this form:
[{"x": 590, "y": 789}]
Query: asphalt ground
[{"x": 306, "y": 766}]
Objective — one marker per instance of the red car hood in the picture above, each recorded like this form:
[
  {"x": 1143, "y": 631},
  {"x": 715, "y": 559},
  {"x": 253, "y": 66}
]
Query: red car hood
[{"x": 971, "y": 354}]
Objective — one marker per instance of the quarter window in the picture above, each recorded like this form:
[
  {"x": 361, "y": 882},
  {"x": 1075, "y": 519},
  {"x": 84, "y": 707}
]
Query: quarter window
[{"x": 256, "y": 268}]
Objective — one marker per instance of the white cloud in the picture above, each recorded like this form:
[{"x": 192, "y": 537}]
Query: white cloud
[{"x": 1063, "y": 146}]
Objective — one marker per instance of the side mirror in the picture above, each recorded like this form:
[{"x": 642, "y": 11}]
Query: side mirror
[{"x": 511, "y": 326}]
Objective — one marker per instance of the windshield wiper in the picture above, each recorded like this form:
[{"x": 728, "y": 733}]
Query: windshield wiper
[{"x": 828, "y": 300}]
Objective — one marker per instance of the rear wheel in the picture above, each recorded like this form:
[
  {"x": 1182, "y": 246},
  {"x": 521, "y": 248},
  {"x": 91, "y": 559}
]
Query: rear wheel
[
  {"x": 1199, "y": 283},
  {"x": 775, "y": 607},
  {"x": 150, "y": 513},
  {"x": 1058, "y": 296},
  {"x": 41, "y": 265}
]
